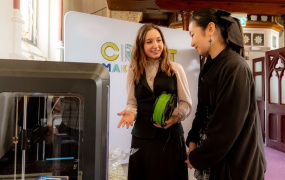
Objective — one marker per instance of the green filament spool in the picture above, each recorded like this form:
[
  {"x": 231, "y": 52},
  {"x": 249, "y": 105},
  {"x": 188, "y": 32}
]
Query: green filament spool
[{"x": 163, "y": 108}]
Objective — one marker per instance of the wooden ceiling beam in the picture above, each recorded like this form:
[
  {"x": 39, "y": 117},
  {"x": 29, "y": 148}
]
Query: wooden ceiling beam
[{"x": 250, "y": 7}]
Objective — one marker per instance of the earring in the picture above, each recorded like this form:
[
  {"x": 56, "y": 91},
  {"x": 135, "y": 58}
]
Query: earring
[{"x": 210, "y": 41}]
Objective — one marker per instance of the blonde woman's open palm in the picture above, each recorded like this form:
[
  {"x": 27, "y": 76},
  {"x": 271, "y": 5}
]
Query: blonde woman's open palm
[{"x": 127, "y": 119}]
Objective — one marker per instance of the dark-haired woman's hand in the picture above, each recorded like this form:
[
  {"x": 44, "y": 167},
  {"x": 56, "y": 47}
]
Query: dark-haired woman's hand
[
  {"x": 192, "y": 146},
  {"x": 127, "y": 119}
]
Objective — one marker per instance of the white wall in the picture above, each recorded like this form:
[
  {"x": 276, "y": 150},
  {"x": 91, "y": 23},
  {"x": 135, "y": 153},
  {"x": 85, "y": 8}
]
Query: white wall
[
  {"x": 54, "y": 43},
  {"x": 43, "y": 22},
  {"x": 6, "y": 9},
  {"x": 281, "y": 39}
]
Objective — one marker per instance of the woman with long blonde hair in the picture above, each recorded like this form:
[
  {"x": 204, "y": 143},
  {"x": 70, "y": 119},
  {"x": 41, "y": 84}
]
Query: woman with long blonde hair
[{"x": 161, "y": 149}]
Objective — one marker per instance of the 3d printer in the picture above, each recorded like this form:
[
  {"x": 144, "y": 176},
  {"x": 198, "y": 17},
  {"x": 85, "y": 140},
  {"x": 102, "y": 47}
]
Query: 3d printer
[{"x": 53, "y": 120}]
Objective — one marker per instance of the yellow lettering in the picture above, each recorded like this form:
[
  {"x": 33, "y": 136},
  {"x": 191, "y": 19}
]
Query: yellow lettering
[
  {"x": 172, "y": 52},
  {"x": 105, "y": 47}
]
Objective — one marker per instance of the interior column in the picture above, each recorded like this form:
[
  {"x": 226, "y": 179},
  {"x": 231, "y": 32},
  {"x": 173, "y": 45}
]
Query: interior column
[{"x": 186, "y": 15}]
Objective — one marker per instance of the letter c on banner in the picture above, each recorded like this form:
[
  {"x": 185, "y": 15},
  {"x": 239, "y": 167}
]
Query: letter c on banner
[{"x": 105, "y": 47}]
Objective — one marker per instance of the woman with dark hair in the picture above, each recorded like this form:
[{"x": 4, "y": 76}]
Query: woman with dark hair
[
  {"x": 161, "y": 149},
  {"x": 225, "y": 141}
]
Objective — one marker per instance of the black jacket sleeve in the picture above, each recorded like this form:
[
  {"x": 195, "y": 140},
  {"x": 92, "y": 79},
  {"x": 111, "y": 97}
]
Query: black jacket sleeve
[{"x": 193, "y": 134}]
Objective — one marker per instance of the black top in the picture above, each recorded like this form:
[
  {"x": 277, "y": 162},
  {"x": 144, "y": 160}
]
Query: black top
[
  {"x": 146, "y": 98},
  {"x": 234, "y": 146}
]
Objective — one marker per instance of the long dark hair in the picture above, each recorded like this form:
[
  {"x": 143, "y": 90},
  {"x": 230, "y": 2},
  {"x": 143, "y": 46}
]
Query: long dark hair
[{"x": 204, "y": 16}]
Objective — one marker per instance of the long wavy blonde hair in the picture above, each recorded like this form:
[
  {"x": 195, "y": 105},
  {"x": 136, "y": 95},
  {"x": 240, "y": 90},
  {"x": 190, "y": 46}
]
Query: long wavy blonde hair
[{"x": 139, "y": 58}]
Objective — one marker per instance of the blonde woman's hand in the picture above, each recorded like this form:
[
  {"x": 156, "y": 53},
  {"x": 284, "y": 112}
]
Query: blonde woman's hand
[
  {"x": 172, "y": 120},
  {"x": 127, "y": 119}
]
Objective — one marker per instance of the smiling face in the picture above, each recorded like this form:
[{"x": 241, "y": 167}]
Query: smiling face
[
  {"x": 200, "y": 39},
  {"x": 153, "y": 45}
]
